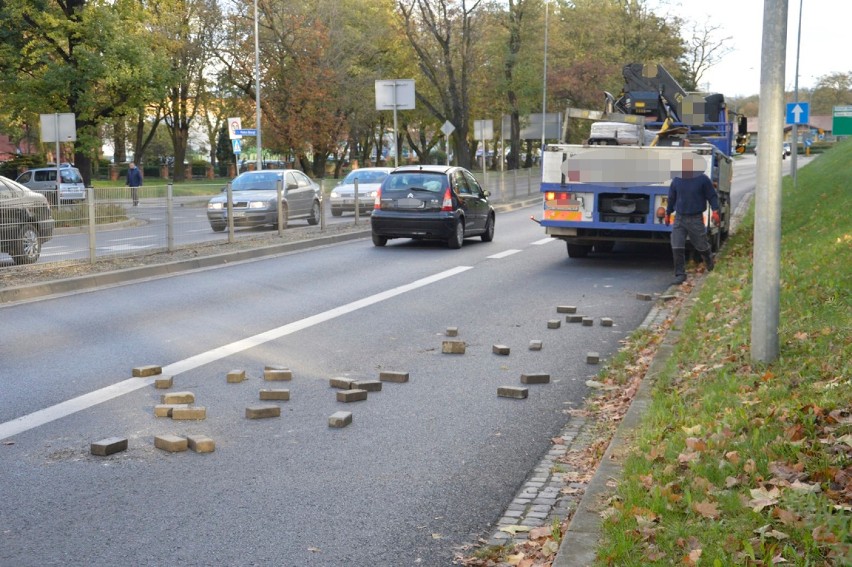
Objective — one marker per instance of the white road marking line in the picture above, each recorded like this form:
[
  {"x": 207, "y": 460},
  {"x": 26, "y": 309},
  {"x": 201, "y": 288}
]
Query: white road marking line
[
  {"x": 503, "y": 254},
  {"x": 63, "y": 409},
  {"x": 144, "y": 237},
  {"x": 544, "y": 241}
]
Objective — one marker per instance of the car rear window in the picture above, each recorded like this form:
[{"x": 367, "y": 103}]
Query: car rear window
[
  {"x": 70, "y": 176},
  {"x": 415, "y": 181}
]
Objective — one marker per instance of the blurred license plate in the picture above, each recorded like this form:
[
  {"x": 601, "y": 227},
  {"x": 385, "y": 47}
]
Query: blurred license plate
[
  {"x": 409, "y": 204},
  {"x": 239, "y": 214}
]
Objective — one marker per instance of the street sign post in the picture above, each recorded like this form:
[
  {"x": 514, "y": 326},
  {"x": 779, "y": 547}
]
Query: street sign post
[
  {"x": 59, "y": 127},
  {"x": 798, "y": 112},
  {"x": 841, "y": 121},
  {"x": 397, "y": 94},
  {"x": 234, "y": 124},
  {"x": 448, "y": 129}
]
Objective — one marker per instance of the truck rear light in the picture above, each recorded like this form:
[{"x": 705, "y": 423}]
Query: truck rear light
[
  {"x": 447, "y": 205},
  {"x": 377, "y": 204},
  {"x": 549, "y": 196}
]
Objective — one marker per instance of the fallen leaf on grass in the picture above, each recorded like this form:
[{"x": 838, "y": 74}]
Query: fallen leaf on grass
[
  {"x": 708, "y": 510},
  {"x": 786, "y": 517},
  {"x": 693, "y": 557},
  {"x": 804, "y": 487},
  {"x": 696, "y": 444},
  {"x": 761, "y": 498}
]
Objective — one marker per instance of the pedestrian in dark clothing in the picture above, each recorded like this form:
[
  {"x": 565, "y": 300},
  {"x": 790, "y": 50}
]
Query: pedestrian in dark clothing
[
  {"x": 134, "y": 181},
  {"x": 688, "y": 198}
]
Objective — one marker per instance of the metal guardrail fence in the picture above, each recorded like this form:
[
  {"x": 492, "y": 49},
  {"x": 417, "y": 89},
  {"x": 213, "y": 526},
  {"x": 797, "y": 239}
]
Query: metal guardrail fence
[{"x": 108, "y": 224}]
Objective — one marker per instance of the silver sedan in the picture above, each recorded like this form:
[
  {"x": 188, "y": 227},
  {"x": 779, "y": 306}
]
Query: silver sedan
[{"x": 369, "y": 180}]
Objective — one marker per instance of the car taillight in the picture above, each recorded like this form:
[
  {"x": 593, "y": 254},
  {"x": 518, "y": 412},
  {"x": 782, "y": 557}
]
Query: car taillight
[
  {"x": 377, "y": 204},
  {"x": 447, "y": 205}
]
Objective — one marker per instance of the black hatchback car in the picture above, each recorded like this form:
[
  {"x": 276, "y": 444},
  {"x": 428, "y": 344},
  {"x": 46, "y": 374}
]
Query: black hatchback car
[
  {"x": 432, "y": 202},
  {"x": 25, "y": 222}
]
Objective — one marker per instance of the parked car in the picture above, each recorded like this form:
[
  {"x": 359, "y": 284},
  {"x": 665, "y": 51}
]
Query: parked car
[
  {"x": 255, "y": 198},
  {"x": 434, "y": 202},
  {"x": 25, "y": 222},
  {"x": 788, "y": 149},
  {"x": 43, "y": 180},
  {"x": 369, "y": 180}
]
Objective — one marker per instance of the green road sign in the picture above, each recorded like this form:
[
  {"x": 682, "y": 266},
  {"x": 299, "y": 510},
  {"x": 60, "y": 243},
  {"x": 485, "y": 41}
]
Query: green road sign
[{"x": 841, "y": 124}]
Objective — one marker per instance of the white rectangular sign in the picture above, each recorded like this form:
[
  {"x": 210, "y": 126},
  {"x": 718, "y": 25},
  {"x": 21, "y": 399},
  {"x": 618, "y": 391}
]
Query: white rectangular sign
[
  {"x": 397, "y": 93},
  {"x": 483, "y": 129},
  {"x": 234, "y": 124},
  {"x": 62, "y": 124}
]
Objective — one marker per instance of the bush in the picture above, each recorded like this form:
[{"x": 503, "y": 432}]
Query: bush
[{"x": 13, "y": 167}]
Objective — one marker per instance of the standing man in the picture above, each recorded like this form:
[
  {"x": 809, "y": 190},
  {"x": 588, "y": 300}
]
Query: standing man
[
  {"x": 688, "y": 198},
  {"x": 134, "y": 181}
]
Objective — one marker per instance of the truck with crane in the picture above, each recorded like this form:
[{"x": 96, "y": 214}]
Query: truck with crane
[{"x": 614, "y": 187}]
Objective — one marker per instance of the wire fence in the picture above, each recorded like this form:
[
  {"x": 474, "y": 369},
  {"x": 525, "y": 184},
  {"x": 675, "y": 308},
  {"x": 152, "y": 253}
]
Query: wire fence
[{"x": 120, "y": 221}]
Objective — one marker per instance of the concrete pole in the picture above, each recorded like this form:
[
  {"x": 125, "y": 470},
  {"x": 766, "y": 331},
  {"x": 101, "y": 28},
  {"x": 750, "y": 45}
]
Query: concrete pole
[
  {"x": 794, "y": 156},
  {"x": 257, "y": 90},
  {"x": 766, "y": 276}
]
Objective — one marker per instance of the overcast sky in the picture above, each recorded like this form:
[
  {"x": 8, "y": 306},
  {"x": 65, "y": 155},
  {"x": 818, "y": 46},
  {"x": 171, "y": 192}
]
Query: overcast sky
[{"x": 826, "y": 45}]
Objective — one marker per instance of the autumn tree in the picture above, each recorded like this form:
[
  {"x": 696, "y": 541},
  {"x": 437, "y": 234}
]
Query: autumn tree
[
  {"x": 834, "y": 89},
  {"x": 703, "y": 51}
]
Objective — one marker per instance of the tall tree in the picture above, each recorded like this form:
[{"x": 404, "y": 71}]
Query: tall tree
[
  {"x": 94, "y": 58},
  {"x": 443, "y": 35},
  {"x": 703, "y": 51},
  {"x": 834, "y": 89}
]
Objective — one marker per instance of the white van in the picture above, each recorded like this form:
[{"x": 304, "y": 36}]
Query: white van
[{"x": 43, "y": 180}]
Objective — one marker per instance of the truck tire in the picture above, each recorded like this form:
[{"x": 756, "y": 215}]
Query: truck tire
[
  {"x": 604, "y": 247},
  {"x": 578, "y": 250}
]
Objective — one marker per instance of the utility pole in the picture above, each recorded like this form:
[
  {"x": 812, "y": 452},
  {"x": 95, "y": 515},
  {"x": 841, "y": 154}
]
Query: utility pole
[
  {"x": 795, "y": 154},
  {"x": 766, "y": 276}
]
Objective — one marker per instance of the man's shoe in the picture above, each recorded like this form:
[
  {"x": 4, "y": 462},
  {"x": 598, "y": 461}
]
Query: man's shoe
[
  {"x": 679, "y": 279},
  {"x": 709, "y": 263}
]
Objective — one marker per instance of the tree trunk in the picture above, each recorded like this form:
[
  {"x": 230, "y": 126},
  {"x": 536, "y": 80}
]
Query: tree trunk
[
  {"x": 120, "y": 140},
  {"x": 180, "y": 136}
]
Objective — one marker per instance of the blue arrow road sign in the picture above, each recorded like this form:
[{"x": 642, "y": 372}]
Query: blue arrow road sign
[
  {"x": 236, "y": 145},
  {"x": 798, "y": 112},
  {"x": 246, "y": 132}
]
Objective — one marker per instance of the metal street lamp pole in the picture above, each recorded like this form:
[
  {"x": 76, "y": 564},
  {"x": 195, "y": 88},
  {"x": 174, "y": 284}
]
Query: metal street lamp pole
[
  {"x": 544, "y": 79},
  {"x": 257, "y": 89},
  {"x": 794, "y": 155}
]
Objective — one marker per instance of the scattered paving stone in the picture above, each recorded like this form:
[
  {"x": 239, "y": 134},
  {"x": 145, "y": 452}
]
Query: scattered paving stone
[
  {"x": 200, "y": 443},
  {"x": 554, "y": 324},
  {"x": 165, "y": 410},
  {"x": 592, "y": 358},
  {"x": 145, "y": 371},
  {"x": 236, "y": 376},
  {"x": 644, "y": 296},
  {"x": 452, "y": 331},
  {"x": 388, "y": 376},
  {"x": 535, "y": 345},
  {"x": 668, "y": 297},
  {"x": 277, "y": 374},
  {"x": 369, "y": 385},
  {"x": 190, "y": 413},
  {"x": 574, "y": 319},
  {"x": 588, "y": 321},
  {"x": 279, "y": 395},
  {"x": 535, "y": 378},
  {"x": 606, "y": 322},
  {"x": 178, "y": 398},
  {"x": 351, "y": 395},
  {"x": 108, "y": 446},
  {"x": 566, "y": 309},
  {"x": 263, "y": 411},
  {"x": 164, "y": 383},
  {"x": 453, "y": 347},
  {"x": 513, "y": 392},
  {"x": 340, "y": 419},
  {"x": 171, "y": 443},
  {"x": 500, "y": 349},
  {"x": 341, "y": 383}
]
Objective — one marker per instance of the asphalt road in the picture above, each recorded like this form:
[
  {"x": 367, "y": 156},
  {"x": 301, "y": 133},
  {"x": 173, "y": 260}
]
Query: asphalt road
[{"x": 425, "y": 467}]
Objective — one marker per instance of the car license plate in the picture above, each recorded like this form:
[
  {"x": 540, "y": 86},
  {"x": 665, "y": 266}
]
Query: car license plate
[
  {"x": 410, "y": 203},
  {"x": 239, "y": 214}
]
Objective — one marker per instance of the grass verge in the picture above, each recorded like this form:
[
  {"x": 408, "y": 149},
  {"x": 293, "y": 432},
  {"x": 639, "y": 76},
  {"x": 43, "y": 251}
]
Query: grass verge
[{"x": 739, "y": 463}]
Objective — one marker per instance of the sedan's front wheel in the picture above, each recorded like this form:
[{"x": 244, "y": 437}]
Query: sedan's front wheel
[
  {"x": 457, "y": 239},
  {"x": 488, "y": 235},
  {"x": 27, "y": 247},
  {"x": 315, "y": 214}
]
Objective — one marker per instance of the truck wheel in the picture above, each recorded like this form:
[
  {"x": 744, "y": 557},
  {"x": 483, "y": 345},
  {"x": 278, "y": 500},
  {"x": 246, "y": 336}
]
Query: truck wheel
[
  {"x": 604, "y": 247},
  {"x": 578, "y": 250}
]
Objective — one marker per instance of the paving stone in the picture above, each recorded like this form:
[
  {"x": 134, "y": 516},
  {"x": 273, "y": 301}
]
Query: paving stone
[
  {"x": 171, "y": 443},
  {"x": 538, "y": 515},
  {"x": 236, "y": 376},
  {"x": 566, "y": 309},
  {"x": 644, "y": 296},
  {"x": 196, "y": 413},
  {"x": 606, "y": 322},
  {"x": 513, "y": 392},
  {"x": 513, "y": 513},
  {"x": 532, "y": 522},
  {"x": 453, "y": 347},
  {"x": 500, "y": 349},
  {"x": 545, "y": 500},
  {"x": 588, "y": 321},
  {"x": 668, "y": 297},
  {"x": 178, "y": 398},
  {"x": 574, "y": 319},
  {"x": 388, "y": 376},
  {"x": 164, "y": 383},
  {"x": 145, "y": 371},
  {"x": 535, "y": 485},
  {"x": 340, "y": 419},
  {"x": 499, "y": 536},
  {"x": 521, "y": 501},
  {"x": 351, "y": 396},
  {"x": 535, "y": 344},
  {"x": 452, "y": 331},
  {"x": 341, "y": 383},
  {"x": 521, "y": 507},
  {"x": 277, "y": 374},
  {"x": 540, "y": 508},
  {"x": 200, "y": 443},
  {"x": 279, "y": 395},
  {"x": 165, "y": 410},
  {"x": 535, "y": 378},
  {"x": 554, "y": 324},
  {"x": 108, "y": 446},
  {"x": 263, "y": 411},
  {"x": 369, "y": 385},
  {"x": 592, "y": 358}
]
